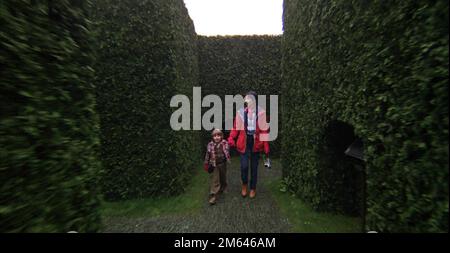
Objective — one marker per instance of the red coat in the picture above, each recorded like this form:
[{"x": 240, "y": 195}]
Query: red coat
[{"x": 239, "y": 132}]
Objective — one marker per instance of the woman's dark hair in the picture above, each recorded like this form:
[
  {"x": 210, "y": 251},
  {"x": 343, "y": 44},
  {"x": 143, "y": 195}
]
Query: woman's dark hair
[
  {"x": 253, "y": 93},
  {"x": 255, "y": 96}
]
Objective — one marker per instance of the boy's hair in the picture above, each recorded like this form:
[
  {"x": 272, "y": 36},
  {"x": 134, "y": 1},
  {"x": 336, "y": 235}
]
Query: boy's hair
[{"x": 217, "y": 131}]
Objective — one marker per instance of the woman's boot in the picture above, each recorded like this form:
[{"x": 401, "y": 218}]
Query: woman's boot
[
  {"x": 244, "y": 190},
  {"x": 252, "y": 193}
]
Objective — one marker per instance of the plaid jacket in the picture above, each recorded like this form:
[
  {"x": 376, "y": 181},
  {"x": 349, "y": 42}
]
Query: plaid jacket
[{"x": 210, "y": 157}]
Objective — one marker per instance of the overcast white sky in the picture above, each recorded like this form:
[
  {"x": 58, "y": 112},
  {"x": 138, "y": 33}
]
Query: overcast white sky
[{"x": 236, "y": 17}]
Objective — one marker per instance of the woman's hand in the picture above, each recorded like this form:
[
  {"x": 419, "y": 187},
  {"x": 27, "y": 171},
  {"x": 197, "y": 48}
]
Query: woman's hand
[{"x": 231, "y": 143}]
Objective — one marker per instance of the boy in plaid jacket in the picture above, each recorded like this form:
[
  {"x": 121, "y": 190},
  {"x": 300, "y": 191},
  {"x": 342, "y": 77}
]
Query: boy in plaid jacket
[{"x": 216, "y": 158}]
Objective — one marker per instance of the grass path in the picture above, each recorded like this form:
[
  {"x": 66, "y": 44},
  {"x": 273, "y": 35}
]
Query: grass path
[{"x": 270, "y": 212}]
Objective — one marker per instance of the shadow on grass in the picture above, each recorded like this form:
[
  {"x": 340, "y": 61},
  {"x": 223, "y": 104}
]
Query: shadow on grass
[
  {"x": 188, "y": 202},
  {"x": 305, "y": 220}
]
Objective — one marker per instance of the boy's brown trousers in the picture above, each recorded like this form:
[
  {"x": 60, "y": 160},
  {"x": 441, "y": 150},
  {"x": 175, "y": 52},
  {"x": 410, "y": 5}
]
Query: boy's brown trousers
[{"x": 218, "y": 179}]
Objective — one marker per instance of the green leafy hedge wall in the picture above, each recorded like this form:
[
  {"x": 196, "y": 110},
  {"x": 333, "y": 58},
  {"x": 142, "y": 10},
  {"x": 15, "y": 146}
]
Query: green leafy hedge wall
[
  {"x": 146, "y": 54},
  {"x": 48, "y": 127},
  {"x": 231, "y": 65},
  {"x": 382, "y": 68}
]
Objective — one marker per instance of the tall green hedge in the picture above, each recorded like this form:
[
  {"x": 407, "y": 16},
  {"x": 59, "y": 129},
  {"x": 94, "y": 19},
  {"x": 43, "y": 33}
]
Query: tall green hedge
[
  {"x": 381, "y": 67},
  {"x": 146, "y": 54},
  {"x": 231, "y": 65},
  {"x": 48, "y": 127}
]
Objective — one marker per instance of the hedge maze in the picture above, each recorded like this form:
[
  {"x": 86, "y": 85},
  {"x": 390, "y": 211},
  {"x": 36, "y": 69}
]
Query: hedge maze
[
  {"x": 85, "y": 90},
  {"x": 381, "y": 69},
  {"x": 146, "y": 54},
  {"x": 231, "y": 65},
  {"x": 49, "y": 142}
]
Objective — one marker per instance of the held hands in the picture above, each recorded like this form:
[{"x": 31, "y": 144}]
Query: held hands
[{"x": 231, "y": 143}]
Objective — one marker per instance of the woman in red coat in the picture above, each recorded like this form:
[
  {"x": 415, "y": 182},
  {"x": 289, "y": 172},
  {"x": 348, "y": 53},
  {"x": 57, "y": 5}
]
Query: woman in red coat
[{"x": 248, "y": 127}]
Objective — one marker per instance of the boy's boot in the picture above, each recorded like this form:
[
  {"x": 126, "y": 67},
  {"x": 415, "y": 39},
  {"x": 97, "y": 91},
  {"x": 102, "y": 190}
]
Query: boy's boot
[
  {"x": 252, "y": 193},
  {"x": 223, "y": 190},
  {"x": 212, "y": 199},
  {"x": 244, "y": 190}
]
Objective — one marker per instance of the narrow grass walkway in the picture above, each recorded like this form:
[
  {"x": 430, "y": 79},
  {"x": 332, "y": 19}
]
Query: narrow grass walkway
[
  {"x": 189, "y": 202},
  {"x": 271, "y": 211},
  {"x": 305, "y": 220}
]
